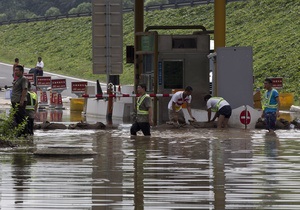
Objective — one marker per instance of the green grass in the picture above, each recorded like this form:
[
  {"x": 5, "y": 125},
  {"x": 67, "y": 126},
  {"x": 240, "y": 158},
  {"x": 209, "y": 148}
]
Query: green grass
[{"x": 271, "y": 27}]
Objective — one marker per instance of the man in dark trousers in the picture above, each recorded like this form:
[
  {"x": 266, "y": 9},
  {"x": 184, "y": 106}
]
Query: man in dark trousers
[
  {"x": 144, "y": 113},
  {"x": 19, "y": 97}
]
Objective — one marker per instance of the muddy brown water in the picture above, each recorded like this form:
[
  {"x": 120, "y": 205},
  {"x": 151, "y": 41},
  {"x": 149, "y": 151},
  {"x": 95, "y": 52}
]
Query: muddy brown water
[{"x": 174, "y": 169}]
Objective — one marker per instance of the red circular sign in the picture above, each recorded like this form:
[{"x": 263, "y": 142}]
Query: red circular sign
[{"x": 245, "y": 119}]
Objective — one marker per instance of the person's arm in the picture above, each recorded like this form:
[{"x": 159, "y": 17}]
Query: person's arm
[
  {"x": 208, "y": 114},
  {"x": 23, "y": 96},
  {"x": 215, "y": 117},
  {"x": 188, "y": 107}
]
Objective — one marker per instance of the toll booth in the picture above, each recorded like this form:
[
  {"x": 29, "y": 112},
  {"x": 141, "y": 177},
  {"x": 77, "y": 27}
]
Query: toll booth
[{"x": 172, "y": 62}]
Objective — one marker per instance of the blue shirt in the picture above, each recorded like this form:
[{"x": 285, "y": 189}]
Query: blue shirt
[{"x": 273, "y": 100}]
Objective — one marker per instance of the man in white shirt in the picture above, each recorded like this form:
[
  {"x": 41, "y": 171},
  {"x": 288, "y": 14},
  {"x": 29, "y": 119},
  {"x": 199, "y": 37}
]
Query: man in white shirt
[
  {"x": 221, "y": 108},
  {"x": 38, "y": 70},
  {"x": 39, "y": 66},
  {"x": 176, "y": 114}
]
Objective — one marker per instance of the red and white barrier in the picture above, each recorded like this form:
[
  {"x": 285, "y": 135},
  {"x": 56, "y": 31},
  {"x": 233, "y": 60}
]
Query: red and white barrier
[{"x": 125, "y": 95}]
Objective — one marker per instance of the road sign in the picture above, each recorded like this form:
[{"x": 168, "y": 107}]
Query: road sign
[
  {"x": 30, "y": 77},
  {"x": 277, "y": 82},
  {"x": 245, "y": 118},
  {"x": 43, "y": 81},
  {"x": 78, "y": 87},
  {"x": 107, "y": 36},
  {"x": 58, "y": 84}
]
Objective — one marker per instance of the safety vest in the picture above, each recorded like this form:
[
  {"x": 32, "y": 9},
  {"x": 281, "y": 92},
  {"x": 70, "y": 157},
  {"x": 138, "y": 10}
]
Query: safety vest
[
  {"x": 139, "y": 102},
  {"x": 267, "y": 100},
  {"x": 31, "y": 100},
  {"x": 216, "y": 108}
]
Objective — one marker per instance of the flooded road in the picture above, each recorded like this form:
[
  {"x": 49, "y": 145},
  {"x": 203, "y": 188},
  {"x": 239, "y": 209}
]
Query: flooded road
[{"x": 173, "y": 169}]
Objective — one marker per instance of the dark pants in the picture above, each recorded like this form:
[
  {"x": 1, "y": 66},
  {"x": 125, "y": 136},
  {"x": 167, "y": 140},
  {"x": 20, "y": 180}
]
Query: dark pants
[
  {"x": 270, "y": 118},
  {"x": 36, "y": 72},
  {"x": 137, "y": 126},
  {"x": 20, "y": 117},
  {"x": 30, "y": 123},
  {"x": 226, "y": 111}
]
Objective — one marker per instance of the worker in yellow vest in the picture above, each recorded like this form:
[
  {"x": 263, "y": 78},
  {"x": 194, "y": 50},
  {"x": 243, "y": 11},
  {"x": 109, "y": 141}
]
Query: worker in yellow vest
[
  {"x": 31, "y": 108},
  {"x": 270, "y": 105},
  {"x": 221, "y": 108},
  {"x": 144, "y": 112}
]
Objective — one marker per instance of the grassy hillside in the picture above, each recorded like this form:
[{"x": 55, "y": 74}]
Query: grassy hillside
[{"x": 271, "y": 27}]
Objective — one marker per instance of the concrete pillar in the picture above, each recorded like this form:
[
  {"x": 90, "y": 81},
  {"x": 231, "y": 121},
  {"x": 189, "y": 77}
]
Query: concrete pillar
[{"x": 219, "y": 33}]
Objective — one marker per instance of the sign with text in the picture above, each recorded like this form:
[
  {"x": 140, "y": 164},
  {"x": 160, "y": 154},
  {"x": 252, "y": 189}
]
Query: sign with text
[
  {"x": 58, "y": 84},
  {"x": 30, "y": 77},
  {"x": 107, "y": 37},
  {"x": 78, "y": 87},
  {"x": 43, "y": 81},
  {"x": 277, "y": 82}
]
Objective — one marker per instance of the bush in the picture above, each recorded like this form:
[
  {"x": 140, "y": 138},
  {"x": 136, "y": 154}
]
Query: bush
[
  {"x": 52, "y": 11},
  {"x": 8, "y": 131}
]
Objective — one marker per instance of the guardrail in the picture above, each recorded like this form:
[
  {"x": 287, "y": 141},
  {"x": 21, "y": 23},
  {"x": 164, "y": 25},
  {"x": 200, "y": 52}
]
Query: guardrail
[{"x": 175, "y": 5}]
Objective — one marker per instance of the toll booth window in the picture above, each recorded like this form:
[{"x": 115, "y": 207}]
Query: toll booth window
[
  {"x": 173, "y": 74},
  {"x": 184, "y": 43}
]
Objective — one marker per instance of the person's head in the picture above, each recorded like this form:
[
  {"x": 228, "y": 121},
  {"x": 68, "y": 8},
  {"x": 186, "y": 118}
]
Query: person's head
[
  {"x": 141, "y": 88},
  {"x": 268, "y": 84},
  {"x": 17, "y": 60},
  {"x": 39, "y": 59},
  {"x": 188, "y": 90},
  {"x": 19, "y": 70},
  {"x": 207, "y": 97}
]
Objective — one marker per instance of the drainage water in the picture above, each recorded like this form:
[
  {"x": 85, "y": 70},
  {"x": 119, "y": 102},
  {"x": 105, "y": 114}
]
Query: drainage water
[{"x": 173, "y": 169}]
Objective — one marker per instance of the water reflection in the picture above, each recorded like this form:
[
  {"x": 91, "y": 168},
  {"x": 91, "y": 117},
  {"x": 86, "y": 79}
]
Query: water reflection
[
  {"x": 195, "y": 169},
  {"x": 272, "y": 194},
  {"x": 58, "y": 115},
  {"x": 21, "y": 174}
]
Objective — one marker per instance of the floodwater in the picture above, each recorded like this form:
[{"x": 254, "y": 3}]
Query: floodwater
[{"x": 173, "y": 169}]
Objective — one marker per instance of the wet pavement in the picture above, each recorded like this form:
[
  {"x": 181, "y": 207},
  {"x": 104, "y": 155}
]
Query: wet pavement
[{"x": 184, "y": 168}]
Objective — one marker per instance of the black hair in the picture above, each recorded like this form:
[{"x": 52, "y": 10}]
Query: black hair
[
  {"x": 16, "y": 59},
  {"x": 207, "y": 97},
  {"x": 143, "y": 86},
  {"x": 21, "y": 68},
  {"x": 188, "y": 88},
  {"x": 268, "y": 80}
]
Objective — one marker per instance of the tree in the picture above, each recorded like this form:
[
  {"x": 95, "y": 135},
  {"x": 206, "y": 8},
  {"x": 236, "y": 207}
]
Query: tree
[
  {"x": 3, "y": 17},
  {"x": 128, "y": 3},
  {"x": 52, "y": 11},
  {"x": 81, "y": 8},
  {"x": 155, "y": 2},
  {"x": 24, "y": 15}
]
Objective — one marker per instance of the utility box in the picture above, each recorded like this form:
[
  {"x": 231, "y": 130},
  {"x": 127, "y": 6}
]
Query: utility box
[
  {"x": 235, "y": 75},
  {"x": 181, "y": 61}
]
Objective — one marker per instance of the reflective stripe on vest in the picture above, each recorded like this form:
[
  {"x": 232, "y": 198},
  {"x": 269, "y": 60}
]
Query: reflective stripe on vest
[
  {"x": 139, "y": 102},
  {"x": 31, "y": 102},
  {"x": 267, "y": 100},
  {"x": 216, "y": 108}
]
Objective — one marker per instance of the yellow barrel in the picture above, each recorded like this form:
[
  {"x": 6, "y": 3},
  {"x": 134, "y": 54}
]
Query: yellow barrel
[
  {"x": 76, "y": 104},
  {"x": 286, "y": 100},
  {"x": 257, "y": 100}
]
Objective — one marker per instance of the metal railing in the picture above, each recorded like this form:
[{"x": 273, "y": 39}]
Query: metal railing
[{"x": 175, "y": 5}]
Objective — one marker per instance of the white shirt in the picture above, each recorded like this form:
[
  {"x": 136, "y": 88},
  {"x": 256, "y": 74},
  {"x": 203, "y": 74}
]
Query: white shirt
[
  {"x": 40, "y": 64},
  {"x": 212, "y": 103},
  {"x": 178, "y": 99}
]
